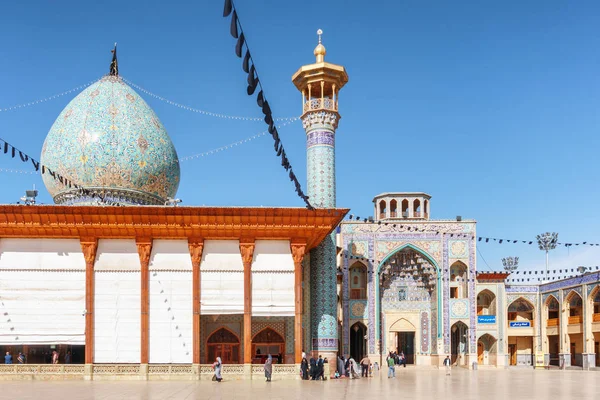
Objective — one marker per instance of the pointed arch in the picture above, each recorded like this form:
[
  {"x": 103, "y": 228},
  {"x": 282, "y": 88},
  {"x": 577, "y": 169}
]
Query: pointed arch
[
  {"x": 358, "y": 279},
  {"x": 574, "y": 304},
  {"x": 521, "y": 310},
  {"x": 486, "y": 302},
  {"x": 521, "y": 304},
  {"x": 438, "y": 286},
  {"x": 358, "y": 343},
  {"x": 224, "y": 343},
  {"x": 402, "y": 325},
  {"x": 594, "y": 299},
  {"x": 411, "y": 246},
  {"x": 551, "y": 299},
  {"x": 572, "y": 296},
  {"x": 267, "y": 341},
  {"x": 594, "y": 293},
  {"x": 223, "y": 335},
  {"x": 268, "y": 335},
  {"x": 551, "y": 310}
]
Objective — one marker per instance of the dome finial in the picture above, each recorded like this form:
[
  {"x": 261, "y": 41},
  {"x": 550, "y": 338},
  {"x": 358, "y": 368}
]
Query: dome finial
[
  {"x": 114, "y": 65},
  {"x": 320, "y": 49}
]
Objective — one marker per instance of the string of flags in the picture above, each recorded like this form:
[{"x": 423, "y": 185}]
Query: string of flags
[
  {"x": 32, "y": 103},
  {"x": 253, "y": 80},
  {"x": 12, "y": 151},
  {"x": 234, "y": 144},
  {"x": 199, "y": 111},
  {"x": 533, "y": 275},
  {"x": 412, "y": 228}
]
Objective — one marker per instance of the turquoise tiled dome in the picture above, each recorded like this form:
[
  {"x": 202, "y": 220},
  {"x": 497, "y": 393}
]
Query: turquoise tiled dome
[{"x": 110, "y": 142}]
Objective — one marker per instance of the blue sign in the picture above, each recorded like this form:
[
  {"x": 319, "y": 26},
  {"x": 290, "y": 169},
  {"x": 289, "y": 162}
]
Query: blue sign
[
  {"x": 519, "y": 324},
  {"x": 486, "y": 319}
]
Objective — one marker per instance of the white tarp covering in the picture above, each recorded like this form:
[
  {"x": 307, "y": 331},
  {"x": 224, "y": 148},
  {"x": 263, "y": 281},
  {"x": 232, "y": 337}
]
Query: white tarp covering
[
  {"x": 41, "y": 254},
  {"x": 222, "y": 280},
  {"x": 117, "y": 255},
  {"x": 170, "y": 302},
  {"x": 272, "y": 278},
  {"x": 42, "y": 307},
  {"x": 117, "y": 317}
]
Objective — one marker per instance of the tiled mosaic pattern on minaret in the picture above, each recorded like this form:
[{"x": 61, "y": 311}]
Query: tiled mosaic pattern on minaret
[{"x": 320, "y": 143}]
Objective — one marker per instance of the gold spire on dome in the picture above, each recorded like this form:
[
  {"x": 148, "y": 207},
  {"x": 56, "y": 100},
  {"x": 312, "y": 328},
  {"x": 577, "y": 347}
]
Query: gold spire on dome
[{"x": 320, "y": 49}]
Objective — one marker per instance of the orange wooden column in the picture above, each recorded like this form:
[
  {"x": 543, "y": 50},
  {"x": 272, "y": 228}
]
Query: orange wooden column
[
  {"x": 247, "y": 252},
  {"x": 196, "y": 246},
  {"x": 298, "y": 249},
  {"x": 89, "y": 246},
  {"x": 144, "y": 247}
]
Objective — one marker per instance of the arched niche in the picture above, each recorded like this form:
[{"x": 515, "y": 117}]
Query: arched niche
[
  {"x": 486, "y": 303},
  {"x": 225, "y": 344},
  {"x": 266, "y": 342},
  {"x": 357, "y": 276},
  {"x": 521, "y": 310},
  {"x": 459, "y": 276}
]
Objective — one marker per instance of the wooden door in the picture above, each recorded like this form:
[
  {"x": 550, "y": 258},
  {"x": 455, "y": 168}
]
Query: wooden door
[
  {"x": 573, "y": 362},
  {"x": 480, "y": 353},
  {"x": 597, "y": 351},
  {"x": 512, "y": 351}
]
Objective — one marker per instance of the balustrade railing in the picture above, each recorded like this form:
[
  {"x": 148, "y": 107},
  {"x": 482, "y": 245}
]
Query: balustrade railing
[
  {"x": 320, "y": 104},
  {"x": 575, "y": 319},
  {"x": 552, "y": 322}
]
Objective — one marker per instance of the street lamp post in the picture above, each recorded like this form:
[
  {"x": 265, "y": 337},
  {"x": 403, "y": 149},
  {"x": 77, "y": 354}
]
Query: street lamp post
[{"x": 546, "y": 242}]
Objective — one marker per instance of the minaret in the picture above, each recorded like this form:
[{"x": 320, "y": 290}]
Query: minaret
[{"x": 320, "y": 84}]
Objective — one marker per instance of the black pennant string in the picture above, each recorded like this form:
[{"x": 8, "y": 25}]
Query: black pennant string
[
  {"x": 233, "y": 29},
  {"x": 228, "y": 8},
  {"x": 245, "y": 63},
  {"x": 253, "y": 79},
  {"x": 239, "y": 45}
]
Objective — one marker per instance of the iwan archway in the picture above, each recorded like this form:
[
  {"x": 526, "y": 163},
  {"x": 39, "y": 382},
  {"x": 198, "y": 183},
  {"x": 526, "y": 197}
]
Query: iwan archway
[{"x": 409, "y": 303}]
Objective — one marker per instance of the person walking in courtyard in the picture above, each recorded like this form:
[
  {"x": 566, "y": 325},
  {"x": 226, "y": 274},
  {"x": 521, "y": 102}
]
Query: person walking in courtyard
[
  {"x": 218, "y": 365},
  {"x": 353, "y": 369},
  {"x": 341, "y": 369},
  {"x": 269, "y": 368},
  {"x": 313, "y": 369},
  {"x": 364, "y": 365},
  {"x": 304, "y": 368},
  {"x": 7, "y": 358},
  {"x": 447, "y": 365},
  {"x": 402, "y": 358},
  {"x": 391, "y": 362},
  {"x": 320, "y": 368}
]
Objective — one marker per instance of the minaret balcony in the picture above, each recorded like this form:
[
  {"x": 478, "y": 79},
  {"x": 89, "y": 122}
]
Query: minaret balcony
[{"x": 320, "y": 104}]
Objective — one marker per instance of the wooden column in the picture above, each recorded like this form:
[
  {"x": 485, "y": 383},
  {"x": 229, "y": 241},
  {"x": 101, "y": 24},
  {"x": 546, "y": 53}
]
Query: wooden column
[
  {"x": 196, "y": 246},
  {"x": 89, "y": 246},
  {"x": 144, "y": 247},
  {"x": 298, "y": 250},
  {"x": 247, "y": 252}
]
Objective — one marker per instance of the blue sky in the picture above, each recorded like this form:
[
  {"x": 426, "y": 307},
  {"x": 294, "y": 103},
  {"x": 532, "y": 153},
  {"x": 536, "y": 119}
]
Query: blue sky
[{"x": 490, "y": 108}]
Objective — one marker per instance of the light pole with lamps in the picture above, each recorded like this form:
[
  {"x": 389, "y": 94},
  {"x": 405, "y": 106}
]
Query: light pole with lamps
[
  {"x": 546, "y": 242},
  {"x": 510, "y": 264}
]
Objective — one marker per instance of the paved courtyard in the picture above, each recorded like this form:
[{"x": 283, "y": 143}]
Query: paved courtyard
[{"x": 409, "y": 384}]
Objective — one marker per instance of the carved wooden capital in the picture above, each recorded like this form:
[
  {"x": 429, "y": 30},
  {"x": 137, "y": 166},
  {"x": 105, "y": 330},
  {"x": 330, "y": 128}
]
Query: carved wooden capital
[
  {"x": 298, "y": 251},
  {"x": 247, "y": 251},
  {"x": 144, "y": 247},
  {"x": 196, "y": 246},
  {"x": 89, "y": 246}
]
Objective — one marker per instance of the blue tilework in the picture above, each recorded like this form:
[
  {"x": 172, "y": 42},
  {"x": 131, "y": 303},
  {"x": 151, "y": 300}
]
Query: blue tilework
[{"x": 109, "y": 137}]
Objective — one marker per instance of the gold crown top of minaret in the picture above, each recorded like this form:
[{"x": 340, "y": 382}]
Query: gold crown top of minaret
[{"x": 320, "y": 50}]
